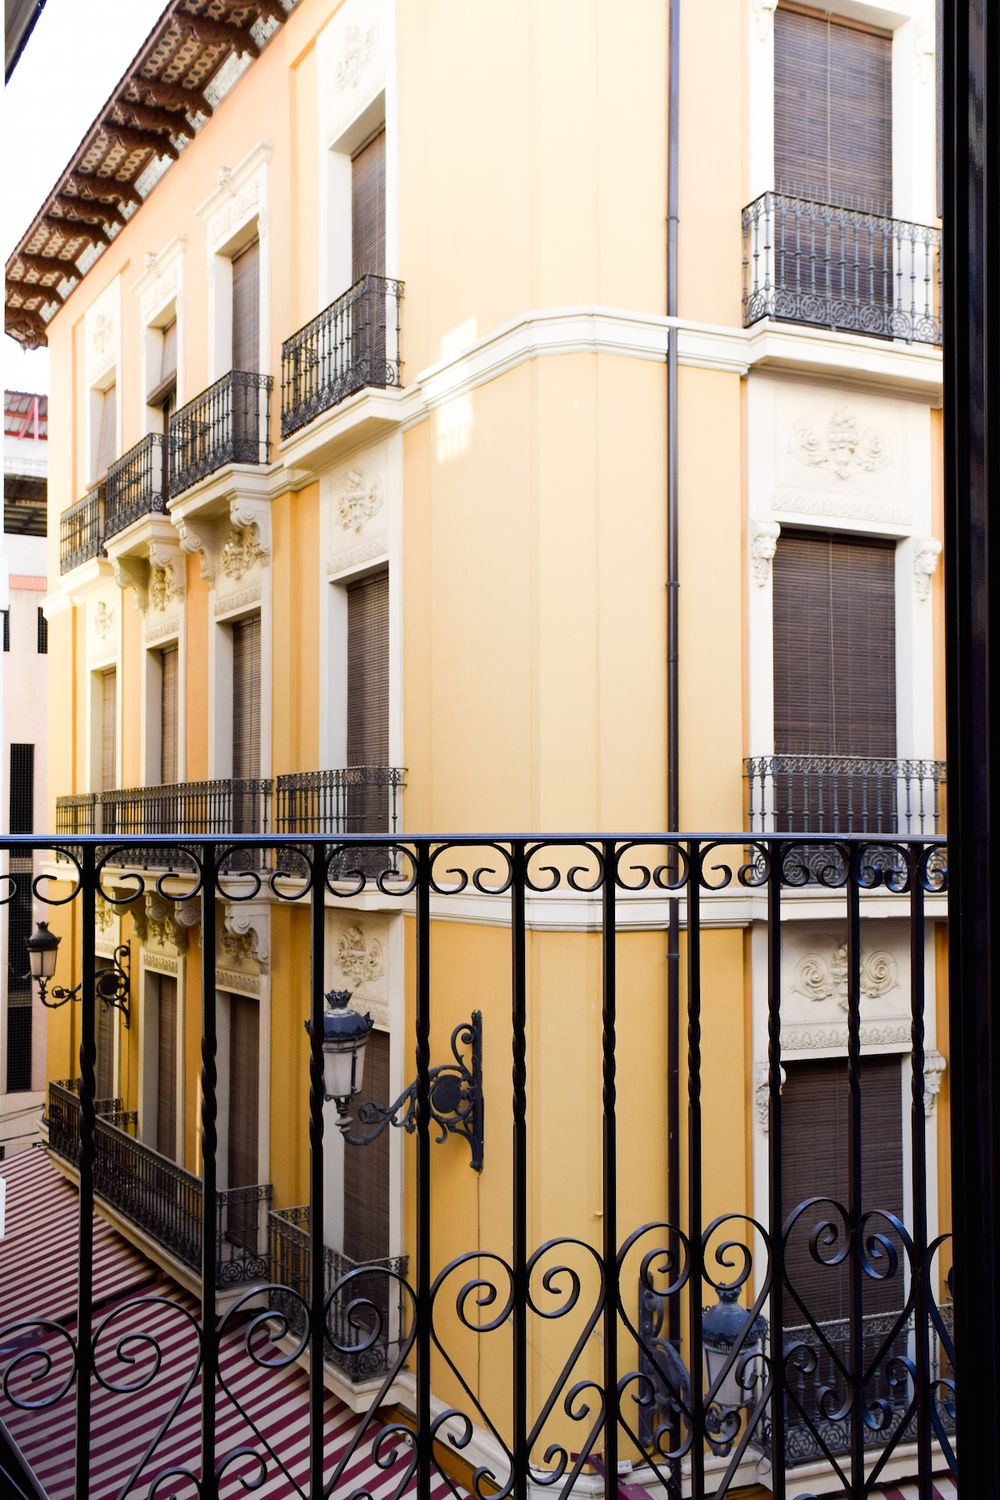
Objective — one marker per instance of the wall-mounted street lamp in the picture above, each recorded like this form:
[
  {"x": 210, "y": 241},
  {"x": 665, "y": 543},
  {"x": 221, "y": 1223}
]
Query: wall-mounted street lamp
[
  {"x": 725, "y": 1327},
  {"x": 455, "y": 1089},
  {"x": 111, "y": 985}
]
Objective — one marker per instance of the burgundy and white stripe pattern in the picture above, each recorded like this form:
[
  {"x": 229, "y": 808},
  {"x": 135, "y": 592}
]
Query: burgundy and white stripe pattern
[
  {"x": 146, "y": 1401},
  {"x": 943, "y": 1489}
]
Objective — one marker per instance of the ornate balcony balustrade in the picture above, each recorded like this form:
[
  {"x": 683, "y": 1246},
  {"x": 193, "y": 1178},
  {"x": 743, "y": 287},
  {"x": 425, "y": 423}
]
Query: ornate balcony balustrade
[
  {"x": 229, "y": 423},
  {"x": 844, "y": 794},
  {"x": 839, "y": 268},
  {"x": 356, "y": 799},
  {"x": 160, "y": 1198},
  {"x": 136, "y": 484},
  {"x": 517, "y": 1310},
  {"x": 81, "y": 530},
  {"x": 182, "y": 807},
  {"x": 376, "y": 1286},
  {"x": 351, "y": 344}
]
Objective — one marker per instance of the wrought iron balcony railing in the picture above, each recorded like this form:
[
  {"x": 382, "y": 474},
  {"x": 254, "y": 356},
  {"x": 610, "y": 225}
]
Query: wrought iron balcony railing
[
  {"x": 181, "y": 807},
  {"x": 839, "y": 794},
  {"x": 376, "y": 1287},
  {"x": 229, "y": 423},
  {"x": 519, "y": 1314},
  {"x": 351, "y": 344},
  {"x": 839, "y": 268},
  {"x": 356, "y": 799},
  {"x": 160, "y": 1198},
  {"x": 136, "y": 484},
  {"x": 81, "y": 530}
]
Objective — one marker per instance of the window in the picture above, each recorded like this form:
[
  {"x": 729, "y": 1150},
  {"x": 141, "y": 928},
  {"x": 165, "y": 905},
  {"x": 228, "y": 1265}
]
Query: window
[
  {"x": 43, "y": 633},
  {"x": 105, "y": 448},
  {"x": 368, "y": 697},
  {"x": 104, "y": 1022},
  {"x": 366, "y": 1190},
  {"x": 18, "y": 917},
  {"x": 108, "y": 745},
  {"x": 166, "y": 1064},
  {"x": 168, "y": 715},
  {"x": 22, "y": 788},
  {"x": 163, "y": 371},
  {"x": 834, "y": 677},
  {"x": 814, "y": 1162},
  {"x": 246, "y": 308},
  {"x": 242, "y": 1137},
  {"x": 368, "y": 256},
  {"x": 6, "y": 629},
  {"x": 832, "y": 111}
]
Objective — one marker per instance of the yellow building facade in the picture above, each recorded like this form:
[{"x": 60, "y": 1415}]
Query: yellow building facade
[{"x": 359, "y": 500}]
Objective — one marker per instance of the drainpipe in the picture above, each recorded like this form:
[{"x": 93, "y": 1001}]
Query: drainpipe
[{"x": 673, "y": 586}]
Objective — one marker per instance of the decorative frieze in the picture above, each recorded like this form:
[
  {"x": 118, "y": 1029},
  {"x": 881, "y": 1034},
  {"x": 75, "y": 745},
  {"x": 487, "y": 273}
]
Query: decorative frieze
[
  {"x": 237, "y": 980},
  {"x": 842, "y": 508},
  {"x": 811, "y": 1038}
]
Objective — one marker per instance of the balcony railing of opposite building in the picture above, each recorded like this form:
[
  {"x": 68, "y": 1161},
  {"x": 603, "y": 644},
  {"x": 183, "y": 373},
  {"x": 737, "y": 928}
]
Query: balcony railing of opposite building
[
  {"x": 356, "y": 799},
  {"x": 136, "y": 484},
  {"x": 229, "y": 423},
  {"x": 363, "y": 1340},
  {"x": 351, "y": 344},
  {"x": 81, "y": 530},
  {"x": 844, "y": 794},
  {"x": 839, "y": 268},
  {"x": 159, "y": 1197}
]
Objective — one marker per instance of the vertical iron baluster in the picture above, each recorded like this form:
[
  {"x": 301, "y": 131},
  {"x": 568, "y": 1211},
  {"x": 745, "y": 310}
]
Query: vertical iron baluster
[
  {"x": 423, "y": 1236},
  {"x": 316, "y": 1206},
  {"x": 87, "y": 1120},
  {"x": 856, "y": 1365},
  {"x": 775, "y": 1213},
  {"x": 918, "y": 1127},
  {"x": 520, "y": 1169},
  {"x": 209, "y": 1144},
  {"x": 609, "y": 1173},
  {"x": 694, "y": 1170}
]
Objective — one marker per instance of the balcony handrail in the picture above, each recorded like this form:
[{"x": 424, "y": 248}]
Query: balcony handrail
[
  {"x": 227, "y": 423},
  {"x": 347, "y": 346},
  {"x": 153, "y": 1192},
  {"x": 81, "y": 529},
  {"x": 136, "y": 483},
  {"x": 808, "y": 261}
]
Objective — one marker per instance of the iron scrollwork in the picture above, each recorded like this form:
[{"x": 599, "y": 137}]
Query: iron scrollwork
[{"x": 455, "y": 1093}]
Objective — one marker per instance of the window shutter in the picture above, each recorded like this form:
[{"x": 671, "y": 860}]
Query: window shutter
[
  {"x": 368, "y": 698},
  {"x": 107, "y": 439},
  {"x": 366, "y": 1168},
  {"x": 832, "y": 111},
  {"x": 22, "y": 789},
  {"x": 168, "y": 715},
  {"x": 246, "y": 308},
  {"x": 246, "y": 697},
  {"x": 244, "y": 1088},
  {"x": 109, "y": 719},
  {"x": 814, "y": 1162},
  {"x": 368, "y": 208},
  {"x": 43, "y": 633},
  {"x": 834, "y": 645},
  {"x": 104, "y": 1018},
  {"x": 6, "y": 629},
  {"x": 166, "y": 1066}
]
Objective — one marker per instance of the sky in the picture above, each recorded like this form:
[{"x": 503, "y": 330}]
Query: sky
[{"x": 77, "y": 52}]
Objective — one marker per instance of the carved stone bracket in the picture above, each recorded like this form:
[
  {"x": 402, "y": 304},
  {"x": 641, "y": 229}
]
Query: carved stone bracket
[
  {"x": 246, "y": 932},
  {"x": 763, "y": 545},
  {"x": 206, "y": 538},
  {"x": 162, "y": 924},
  {"x": 133, "y": 573},
  {"x": 762, "y": 1094},
  {"x": 934, "y": 1066},
  {"x": 926, "y": 556},
  {"x": 763, "y": 17}
]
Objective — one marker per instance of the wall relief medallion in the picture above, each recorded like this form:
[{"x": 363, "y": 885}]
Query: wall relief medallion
[
  {"x": 763, "y": 545},
  {"x": 358, "y": 46},
  {"x": 242, "y": 552},
  {"x": 843, "y": 450},
  {"x": 359, "y": 501},
  {"x": 926, "y": 556},
  {"x": 359, "y": 958},
  {"x": 104, "y": 916},
  {"x": 162, "y": 586},
  {"x": 104, "y": 619},
  {"x": 826, "y": 979}
]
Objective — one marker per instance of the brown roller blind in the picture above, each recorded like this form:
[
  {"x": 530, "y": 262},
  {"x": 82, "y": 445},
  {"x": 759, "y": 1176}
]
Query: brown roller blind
[
  {"x": 107, "y": 437},
  {"x": 109, "y": 722},
  {"x": 246, "y": 697},
  {"x": 834, "y": 645},
  {"x": 246, "y": 308},
  {"x": 244, "y": 1088},
  {"x": 814, "y": 1163},
  {"x": 832, "y": 111},
  {"x": 104, "y": 1020},
  {"x": 368, "y": 208},
  {"x": 166, "y": 1066},
  {"x": 366, "y": 1168},
  {"x": 168, "y": 715},
  {"x": 368, "y": 698}
]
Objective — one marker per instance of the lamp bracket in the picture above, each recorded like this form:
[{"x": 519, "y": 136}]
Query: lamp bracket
[
  {"x": 455, "y": 1092},
  {"x": 110, "y": 985}
]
